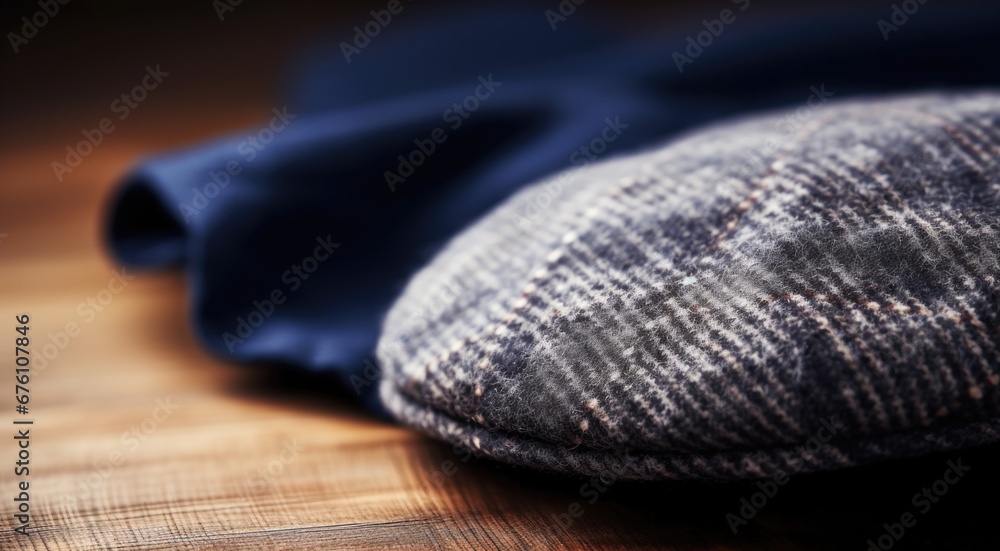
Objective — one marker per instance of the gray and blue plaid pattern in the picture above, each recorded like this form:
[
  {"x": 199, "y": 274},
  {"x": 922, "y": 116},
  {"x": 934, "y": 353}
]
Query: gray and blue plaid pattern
[{"x": 754, "y": 298}]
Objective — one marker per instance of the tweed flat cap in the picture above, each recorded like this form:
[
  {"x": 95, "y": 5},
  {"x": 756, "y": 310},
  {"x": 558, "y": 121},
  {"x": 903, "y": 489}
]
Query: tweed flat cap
[{"x": 793, "y": 292}]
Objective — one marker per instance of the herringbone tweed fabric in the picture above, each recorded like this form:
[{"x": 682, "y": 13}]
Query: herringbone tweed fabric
[{"x": 789, "y": 293}]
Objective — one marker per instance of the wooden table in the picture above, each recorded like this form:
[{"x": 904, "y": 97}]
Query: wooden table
[{"x": 141, "y": 440}]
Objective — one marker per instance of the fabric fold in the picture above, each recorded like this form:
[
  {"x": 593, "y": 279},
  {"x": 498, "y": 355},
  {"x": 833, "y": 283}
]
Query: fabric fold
[{"x": 433, "y": 125}]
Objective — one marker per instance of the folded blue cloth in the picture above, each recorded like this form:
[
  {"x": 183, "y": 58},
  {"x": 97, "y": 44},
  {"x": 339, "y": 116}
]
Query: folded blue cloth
[{"x": 297, "y": 236}]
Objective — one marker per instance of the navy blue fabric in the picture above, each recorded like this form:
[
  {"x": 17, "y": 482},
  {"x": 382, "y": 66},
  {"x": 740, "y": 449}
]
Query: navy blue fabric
[{"x": 323, "y": 174}]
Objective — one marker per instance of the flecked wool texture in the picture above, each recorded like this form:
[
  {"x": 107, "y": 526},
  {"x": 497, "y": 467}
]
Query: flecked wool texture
[{"x": 794, "y": 292}]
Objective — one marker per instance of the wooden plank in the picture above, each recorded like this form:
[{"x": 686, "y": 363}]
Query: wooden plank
[
  {"x": 241, "y": 460},
  {"x": 248, "y": 460}
]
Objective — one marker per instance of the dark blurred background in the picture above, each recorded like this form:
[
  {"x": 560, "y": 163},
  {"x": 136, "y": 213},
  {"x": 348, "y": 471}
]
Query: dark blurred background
[
  {"x": 226, "y": 75},
  {"x": 92, "y": 51}
]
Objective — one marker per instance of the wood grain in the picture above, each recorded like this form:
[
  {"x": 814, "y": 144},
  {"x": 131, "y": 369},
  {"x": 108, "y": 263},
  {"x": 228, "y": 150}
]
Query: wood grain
[
  {"x": 255, "y": 459},
  {"x": 252, "y": 458}
]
